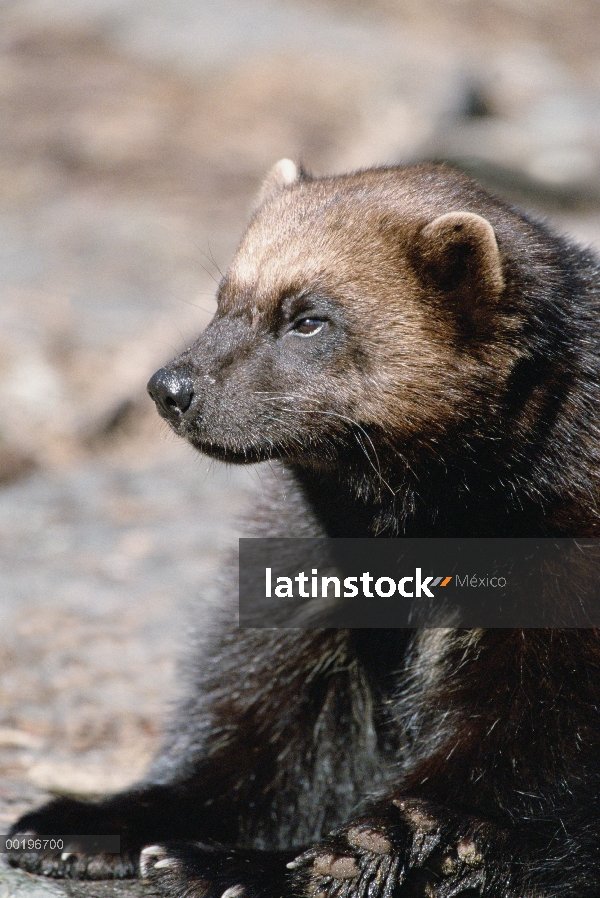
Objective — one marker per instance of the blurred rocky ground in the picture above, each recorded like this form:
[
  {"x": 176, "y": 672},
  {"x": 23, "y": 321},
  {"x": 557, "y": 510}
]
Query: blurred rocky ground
[{"x": 134, "y": 136}]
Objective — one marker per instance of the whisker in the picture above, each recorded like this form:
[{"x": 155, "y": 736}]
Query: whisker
[
  {"x": 376, "y": 467},
  {"x": 214, "y": 260}
]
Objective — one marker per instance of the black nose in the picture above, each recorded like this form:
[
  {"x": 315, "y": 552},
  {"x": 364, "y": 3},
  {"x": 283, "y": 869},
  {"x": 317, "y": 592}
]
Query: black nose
[{"x": 172, "y": 391}]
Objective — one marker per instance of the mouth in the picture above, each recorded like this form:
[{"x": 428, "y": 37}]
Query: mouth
[
  {"x": 247, "y": 456},
  {"x": 188, "y": 429}
]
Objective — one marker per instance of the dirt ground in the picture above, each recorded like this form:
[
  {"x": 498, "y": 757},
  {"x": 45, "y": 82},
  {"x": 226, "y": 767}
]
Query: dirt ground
[{"x": 134, "y": 137}]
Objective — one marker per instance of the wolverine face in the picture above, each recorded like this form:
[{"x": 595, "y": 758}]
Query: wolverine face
[
  {"x": 265, "y": 382},
  {"x": 354, "y": 314}
]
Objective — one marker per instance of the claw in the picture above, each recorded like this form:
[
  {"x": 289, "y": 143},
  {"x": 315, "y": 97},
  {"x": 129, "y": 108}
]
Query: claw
[
  {"x": 148, "y": 856},
  {"x": 153, "y": 851},
  {"x": 233, "y": 892},
  {"x": 309, "y": 855}
]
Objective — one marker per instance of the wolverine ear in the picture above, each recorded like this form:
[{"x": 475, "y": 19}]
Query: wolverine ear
[
  {"x": 283, "y": 174},
  {"x": 458, "y": 252}
]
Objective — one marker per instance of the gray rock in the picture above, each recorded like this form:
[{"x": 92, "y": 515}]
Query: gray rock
[{"x": 17, "y": 884}]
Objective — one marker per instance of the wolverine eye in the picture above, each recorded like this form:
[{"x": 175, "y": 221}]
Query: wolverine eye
[{"x": 306, "y": 327}]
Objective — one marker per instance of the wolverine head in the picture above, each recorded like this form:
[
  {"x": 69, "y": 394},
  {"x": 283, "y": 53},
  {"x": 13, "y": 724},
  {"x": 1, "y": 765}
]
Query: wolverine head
[{"x": 381, "y": 308}]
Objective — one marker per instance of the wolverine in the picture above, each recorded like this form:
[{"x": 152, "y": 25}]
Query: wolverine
[{"x": 414, "y": 358}]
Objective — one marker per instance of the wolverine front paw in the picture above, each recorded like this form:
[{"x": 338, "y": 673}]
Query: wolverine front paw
[
  {"x": 198, "y": 870},
  {"x": 67, "y": 816},
  {"x": 70, "y": 865},
  {"x": 409, "y": 849}
]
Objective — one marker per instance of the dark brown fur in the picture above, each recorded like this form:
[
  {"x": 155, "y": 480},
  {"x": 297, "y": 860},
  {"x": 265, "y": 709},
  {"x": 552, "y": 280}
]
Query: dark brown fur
[{"x": 416, "y": 358}]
